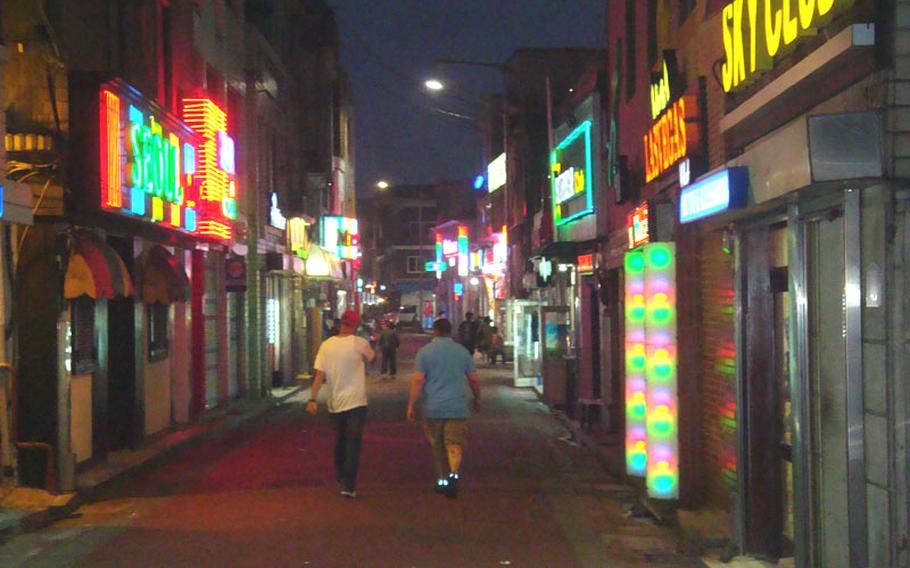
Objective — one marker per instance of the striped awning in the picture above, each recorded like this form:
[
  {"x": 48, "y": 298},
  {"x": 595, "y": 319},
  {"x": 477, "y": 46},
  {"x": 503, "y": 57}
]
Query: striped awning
[
  {"x": 94, "y": 269},
  {"x": 160, "y": 279}
]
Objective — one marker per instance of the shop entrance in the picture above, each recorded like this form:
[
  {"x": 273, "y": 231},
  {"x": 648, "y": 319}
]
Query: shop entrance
[
  {"x": 768, "y": 468},
  {"x": 121, "y": 373},
  {"x": 526, "y": 333}
]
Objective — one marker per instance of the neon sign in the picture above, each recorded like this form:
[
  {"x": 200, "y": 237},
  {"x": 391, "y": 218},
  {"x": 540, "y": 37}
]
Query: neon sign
[
  {"x": 755, "y": 32},
  {"x": 636, "y": 382},
  {"x": 572, "y": 154},
  {"x": 341, "y": 236},
  {"x": 585, "y": 263},
  {"x": 218, "y": 184},
  {"x": 668, "y": 139},
  {"x": 638, "y": 226},
  {"x": 148, "y": 162},
  {"x": 463, "y": 251},
  {"x": 727, "y": 189},
  {"x": 449, "y": 248},
  {"x": 663, "y": 86},
  {"x": 652, "y": 446},
  {"x": 496, "y": 173},
  {"x": 661, "y": 369},
  {"x": 298, "y": 240}
]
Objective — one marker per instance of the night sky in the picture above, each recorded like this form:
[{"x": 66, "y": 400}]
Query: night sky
[{"x": 389, "y": 48}]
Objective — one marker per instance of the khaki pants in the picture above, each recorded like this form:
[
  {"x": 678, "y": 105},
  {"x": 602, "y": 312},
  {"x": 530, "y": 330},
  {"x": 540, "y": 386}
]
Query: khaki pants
[{"x": 442, "y": 433}]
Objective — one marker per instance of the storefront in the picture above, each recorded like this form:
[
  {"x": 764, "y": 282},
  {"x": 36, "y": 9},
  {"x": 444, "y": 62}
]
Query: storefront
[
  {"x": 810, "y": 242},
  {"x": 142, "y": 345},
  {"x": 571, "y": 320}
]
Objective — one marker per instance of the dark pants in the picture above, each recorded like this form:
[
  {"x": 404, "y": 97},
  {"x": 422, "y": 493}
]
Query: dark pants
[
  {"x": 494, "y": 354},
  {"x": 390, "y": 361},
  {"x": 348, "y": 426}
]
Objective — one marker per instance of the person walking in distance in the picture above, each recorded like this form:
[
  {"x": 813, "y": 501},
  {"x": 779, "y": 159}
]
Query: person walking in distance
[
  {"x": 467, "y": 333},
  {"x": 341, "y": 366},
  {"x": 443, "y": 366},
  {"x": 388, "y": 343}
]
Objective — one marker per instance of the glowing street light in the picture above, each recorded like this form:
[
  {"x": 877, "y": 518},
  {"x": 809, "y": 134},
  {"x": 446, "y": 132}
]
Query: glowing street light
[
  {"x": 382, "y": 184},
  {"x": 434, "y": 85}
]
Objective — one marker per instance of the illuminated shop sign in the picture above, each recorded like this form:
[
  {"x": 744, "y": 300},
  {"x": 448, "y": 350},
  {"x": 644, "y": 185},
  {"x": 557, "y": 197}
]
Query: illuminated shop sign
[
  {"x": 585, "y": 263},
  {"x": 458, "y": 290},
  {"x": 216, "y": 171},
  {"x": 449, "y": 248},
  {"x": 652, "y": 444},
  {"x": 463, "y": 251},
  {"x": 668, "y": 139},
  {"x": 298, "y": 238},
  {"x": 755, "y": 32},
  {"x": 572, "y": 186},
  {"x": 638, "y": 226},
  {"x": 664, "y": 85},
  {"x": 727, "y": 189},
  {"x": 341, "y": 236},
  {"x": 276, "y": 217},
  {"x": 496, "y": 173},
  {"x": 148, "y": 162},
  {"x": 495, "y": 267}
]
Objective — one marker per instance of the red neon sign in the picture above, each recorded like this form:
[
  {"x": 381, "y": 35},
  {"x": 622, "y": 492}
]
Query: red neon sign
[
  {"x": 218, "y": 184},
  {"x": 586, "y": 263},
  {"x": 637, "y": 225}
]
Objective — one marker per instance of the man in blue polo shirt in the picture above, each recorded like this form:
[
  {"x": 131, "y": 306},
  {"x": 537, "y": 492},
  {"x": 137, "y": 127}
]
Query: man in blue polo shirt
[{"x": 443, "y": 366}]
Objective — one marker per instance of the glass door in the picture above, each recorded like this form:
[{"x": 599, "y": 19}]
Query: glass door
[{"x": 526, "y": 340}]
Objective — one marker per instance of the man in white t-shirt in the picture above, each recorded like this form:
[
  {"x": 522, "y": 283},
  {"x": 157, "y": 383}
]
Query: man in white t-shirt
[{"x": 341, "y": 365}]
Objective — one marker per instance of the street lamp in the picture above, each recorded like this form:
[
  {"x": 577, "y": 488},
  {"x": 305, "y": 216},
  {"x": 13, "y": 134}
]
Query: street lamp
[
  {"x": 434, "y": 85},
  {"x": 382, "y": 184}
]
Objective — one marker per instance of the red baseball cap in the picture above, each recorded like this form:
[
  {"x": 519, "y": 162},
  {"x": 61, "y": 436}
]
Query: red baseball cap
[{"x": 350, "y": 318}]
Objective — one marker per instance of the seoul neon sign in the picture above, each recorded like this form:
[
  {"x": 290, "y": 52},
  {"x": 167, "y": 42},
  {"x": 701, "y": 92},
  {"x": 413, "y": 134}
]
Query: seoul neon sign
[
  {"x": 571, "y": 163},
  {"x": 147, "y": 161},
  {"x": 163, "y": 171},
  {"x": 756, "y": 31}
]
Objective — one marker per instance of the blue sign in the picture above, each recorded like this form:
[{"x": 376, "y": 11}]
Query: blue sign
[
  {"x": 458, "y": 288},
  {"x": 2, "y": 196},
  {"x": 478, "y": 182},
  {"x": 726, "y": 189}
]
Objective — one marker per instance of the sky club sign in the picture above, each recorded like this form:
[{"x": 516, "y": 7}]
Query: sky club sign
[{"x": 756, "y": 31}]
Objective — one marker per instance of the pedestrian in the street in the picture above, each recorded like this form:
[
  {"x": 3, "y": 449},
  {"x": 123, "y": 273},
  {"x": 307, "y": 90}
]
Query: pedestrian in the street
[
  {"x": 335, "y": 329},
  {"x": 484, "y": 335},
  {"x": 341, "y": 365},
  {"x": 497, "y": 347},
  {"x": 443, "y": 366},
  {"x": 467, "y": 333},
  {"x": 388, "y": 346}
]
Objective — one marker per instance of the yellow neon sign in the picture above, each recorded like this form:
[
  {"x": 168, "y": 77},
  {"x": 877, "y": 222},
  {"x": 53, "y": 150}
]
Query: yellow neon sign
[{"x": 756, "y": 31}]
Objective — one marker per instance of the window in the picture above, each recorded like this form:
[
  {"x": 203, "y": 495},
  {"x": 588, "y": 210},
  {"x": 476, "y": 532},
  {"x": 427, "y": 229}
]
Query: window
[
  {"x": 631, "y": 40},
  {"x": 415, "y": 264},
  {"x": 157, "y": 316},
  {"x": 83, "y": 335}
]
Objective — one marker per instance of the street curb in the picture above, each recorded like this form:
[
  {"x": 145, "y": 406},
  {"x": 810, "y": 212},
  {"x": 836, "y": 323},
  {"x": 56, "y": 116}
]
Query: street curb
[{"x": 19, "y": 521}]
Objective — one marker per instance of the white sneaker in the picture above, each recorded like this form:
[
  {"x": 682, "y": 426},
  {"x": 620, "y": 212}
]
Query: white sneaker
[{"x": 349, "y": 494}]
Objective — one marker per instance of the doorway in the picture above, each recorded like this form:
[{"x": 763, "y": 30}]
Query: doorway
[{"x": 121, "y": 372}]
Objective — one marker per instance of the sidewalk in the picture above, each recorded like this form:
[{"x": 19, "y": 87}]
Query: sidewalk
[{"x": 25, "y": 509}]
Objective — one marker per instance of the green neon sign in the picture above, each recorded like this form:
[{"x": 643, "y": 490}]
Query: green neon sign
[
  {"x": 582, "y": 132},
  {"x": 153, "y": 160}
]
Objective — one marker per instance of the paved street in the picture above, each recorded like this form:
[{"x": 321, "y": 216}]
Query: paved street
[{"x": 264, "y": 495}]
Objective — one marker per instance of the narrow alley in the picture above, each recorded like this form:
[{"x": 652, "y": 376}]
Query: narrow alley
[{"x": 264, "y": 495}]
